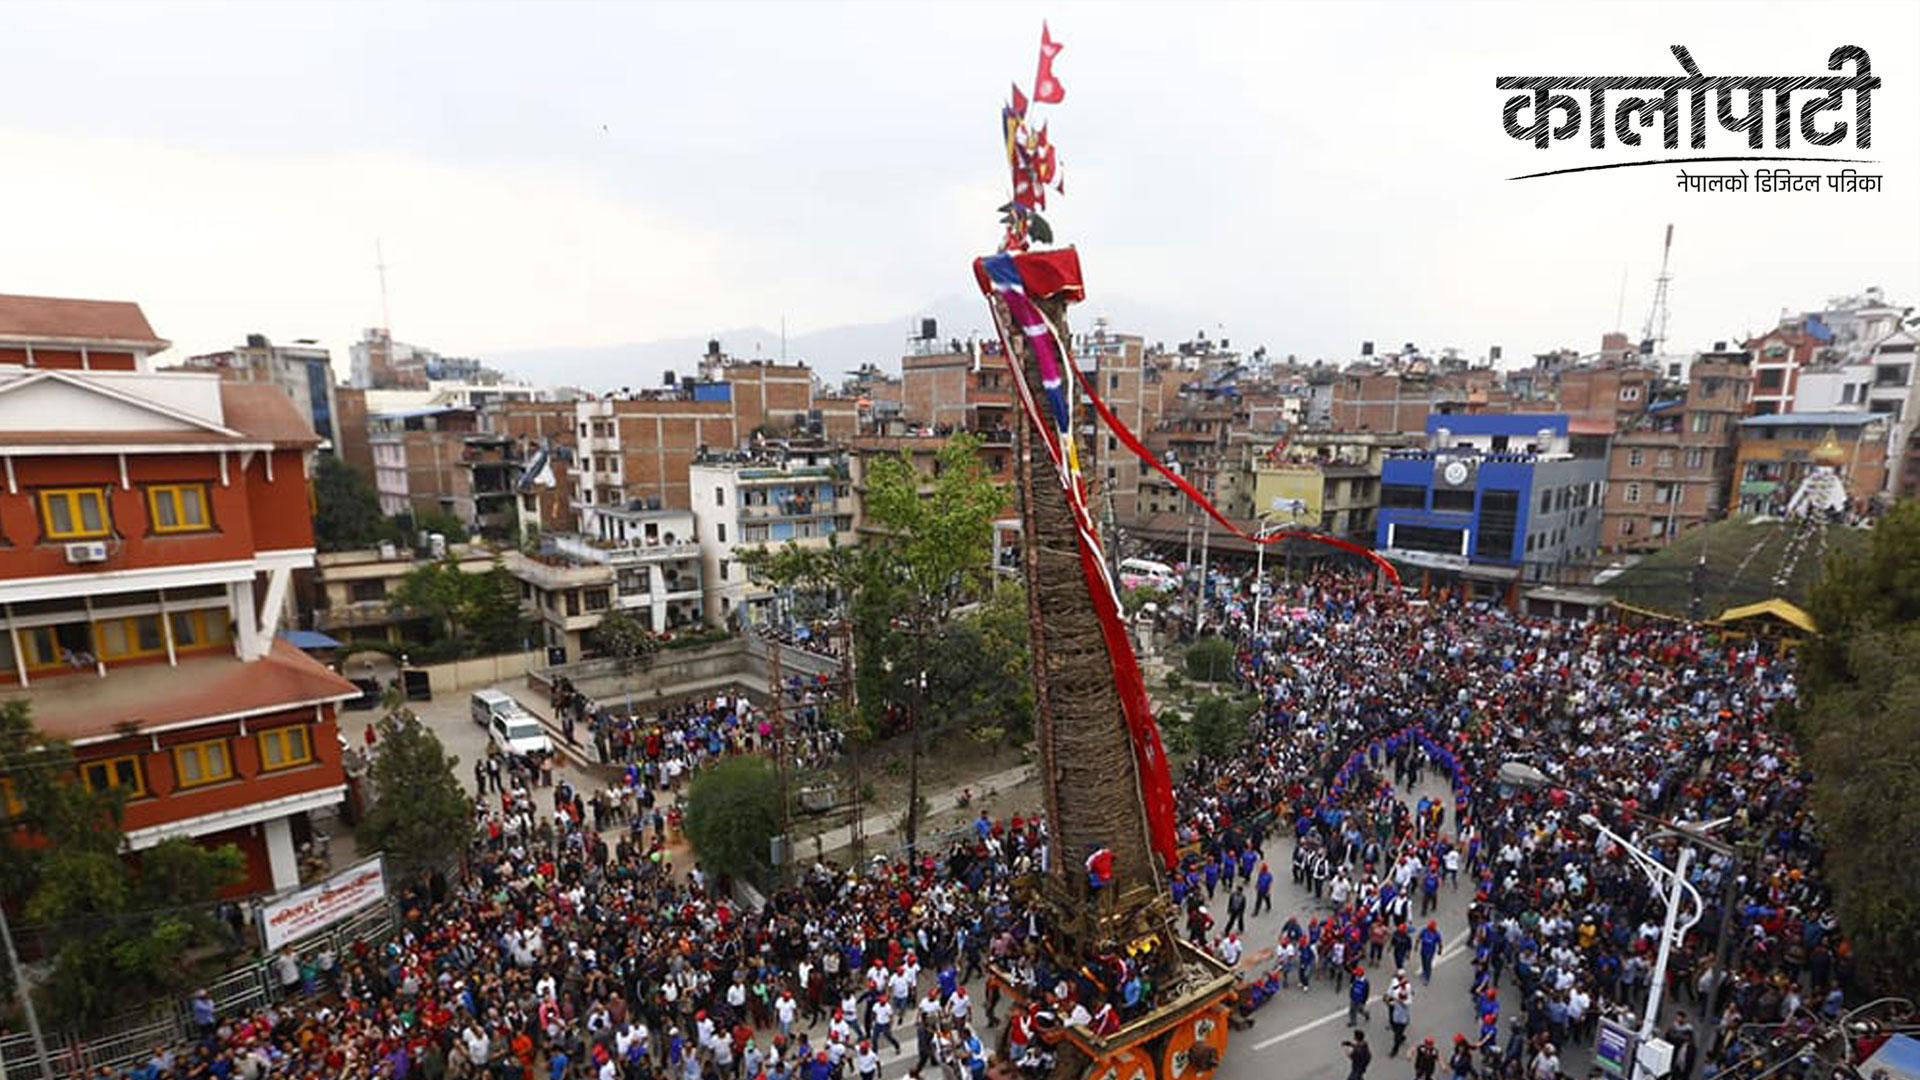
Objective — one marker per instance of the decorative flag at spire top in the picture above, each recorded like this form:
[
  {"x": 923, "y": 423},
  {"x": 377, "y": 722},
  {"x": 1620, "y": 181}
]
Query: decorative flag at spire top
[
  {"x": 1031, "y": 157},
  {"x": 1046, "y": 88}
]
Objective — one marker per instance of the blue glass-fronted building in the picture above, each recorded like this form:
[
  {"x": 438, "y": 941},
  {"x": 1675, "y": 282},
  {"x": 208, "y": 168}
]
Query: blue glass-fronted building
[{"x": 1492, "y": 501}]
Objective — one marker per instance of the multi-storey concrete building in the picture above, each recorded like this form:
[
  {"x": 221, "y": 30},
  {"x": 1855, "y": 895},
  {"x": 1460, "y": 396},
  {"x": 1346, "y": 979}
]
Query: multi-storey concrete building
[
  {"x": 304, "y": 370},
  {"x": 1669, "y": 468},
  {"x": 352, "y": 591},
  {"x": 655, "y": 559},
  {"x": 797, "y": 495},
  {"x": 417, "y": 458},
  {"x": 1493, "y": 501},
  {"x": 150, "y": 526},
  {"x": 1325, "y": 480}
]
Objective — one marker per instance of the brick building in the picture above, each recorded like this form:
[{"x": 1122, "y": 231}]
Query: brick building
[
  {"x": 150, "y": 526},
  {"x": 1669, "y": 467}
]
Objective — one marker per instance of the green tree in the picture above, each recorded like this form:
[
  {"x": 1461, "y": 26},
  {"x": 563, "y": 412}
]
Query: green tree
[
  {"x": 733, "y": 811},
  {"x": 439, "y": 590},
  {"x": 492, "y": 609},
  {"x": 938, "y": 545},
  {"x": 1859, "y": 722},
  {"x": 624, "y": 638},
  {"x": 442, "y": 522},
  {"x": 119, "y": 938},
  {"x": 1219, "y": 726},
  {"x": 346, "y": 508},
  {"x": 1210, "y": 660},
  {"x": 420, "y": 814}
]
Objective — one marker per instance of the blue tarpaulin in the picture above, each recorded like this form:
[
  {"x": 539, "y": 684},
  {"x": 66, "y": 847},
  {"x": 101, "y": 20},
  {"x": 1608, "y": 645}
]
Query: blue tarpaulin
[{"x": 308, "y": 639}]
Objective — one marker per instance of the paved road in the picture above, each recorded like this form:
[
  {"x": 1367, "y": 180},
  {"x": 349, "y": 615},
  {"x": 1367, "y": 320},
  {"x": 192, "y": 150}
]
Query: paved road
[{"x": 1298, "y": 1035}]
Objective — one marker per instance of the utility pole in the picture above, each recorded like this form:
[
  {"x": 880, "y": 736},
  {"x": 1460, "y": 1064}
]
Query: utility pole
[
  {"x": 25, "y": 990},
  {"x": 1199, "y": 609}
]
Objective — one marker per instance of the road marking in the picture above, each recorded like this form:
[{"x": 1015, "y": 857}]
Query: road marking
[{"x": 1341, "y": 1014}]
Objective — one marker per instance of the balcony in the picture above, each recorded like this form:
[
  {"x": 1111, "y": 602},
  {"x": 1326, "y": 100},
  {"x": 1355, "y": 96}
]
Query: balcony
[
  {"x": 362, "y": 614},
  {"x": 788, "y": 508},
  {"x": 593, "y": 549}
]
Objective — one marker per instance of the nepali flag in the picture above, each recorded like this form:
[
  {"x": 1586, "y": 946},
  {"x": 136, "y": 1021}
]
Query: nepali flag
[{"x": 1047, "y": 89}]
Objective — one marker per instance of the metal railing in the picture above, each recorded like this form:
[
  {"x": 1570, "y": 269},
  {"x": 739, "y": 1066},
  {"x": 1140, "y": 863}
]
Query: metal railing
[{"x": 128, "y": 1039}]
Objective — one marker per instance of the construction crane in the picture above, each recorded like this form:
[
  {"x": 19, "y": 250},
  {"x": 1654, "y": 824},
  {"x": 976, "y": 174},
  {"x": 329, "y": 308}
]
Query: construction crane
[{"x": 1653, "y": 336}]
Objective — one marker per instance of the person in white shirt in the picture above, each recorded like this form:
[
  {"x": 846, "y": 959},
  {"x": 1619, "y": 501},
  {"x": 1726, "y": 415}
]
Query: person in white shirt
[
  {"x": 784, "y": 1010},
  {"x": 959, "y": 1006},
  {"x": 883, "y": 1023}
]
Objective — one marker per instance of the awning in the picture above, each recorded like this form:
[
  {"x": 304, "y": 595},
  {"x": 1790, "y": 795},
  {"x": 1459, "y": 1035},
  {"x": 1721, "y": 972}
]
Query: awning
[
  {"x": 308, "y": 639},
  {"x": 1775, "y": 608}
]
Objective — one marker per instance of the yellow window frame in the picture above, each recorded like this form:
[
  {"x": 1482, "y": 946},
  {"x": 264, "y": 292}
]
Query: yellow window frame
[
  {"x": 284, "y": 738},
  {"x": 174, "y": 498},
  {"x": 200, "y": 628},
  {"x": 70, "y": 499},
  {"x": 200, "y": 754},
  {"x": 31, "y": 640},
  {"x": 130, "y": 637},
  {"x": 110, "y": 774}
]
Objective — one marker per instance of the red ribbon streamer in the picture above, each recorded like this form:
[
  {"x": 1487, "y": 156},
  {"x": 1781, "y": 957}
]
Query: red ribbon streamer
[{"x": 1140, "y": 451}]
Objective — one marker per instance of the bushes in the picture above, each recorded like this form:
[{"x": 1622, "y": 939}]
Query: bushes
[
  {"x": 733, "y": 810},
  {"x": 1210, "y": 660}
]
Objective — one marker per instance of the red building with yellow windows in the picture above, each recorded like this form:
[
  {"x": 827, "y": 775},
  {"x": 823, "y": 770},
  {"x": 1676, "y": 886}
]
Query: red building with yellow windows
[{"x": 150, "y": 523}]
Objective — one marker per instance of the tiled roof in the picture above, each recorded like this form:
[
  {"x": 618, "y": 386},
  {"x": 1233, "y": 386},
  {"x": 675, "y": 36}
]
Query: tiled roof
[
  {"x": 54, "y": 319},
  {"x": 148, "y": 696},
  {"x": 265, "y": 412}
]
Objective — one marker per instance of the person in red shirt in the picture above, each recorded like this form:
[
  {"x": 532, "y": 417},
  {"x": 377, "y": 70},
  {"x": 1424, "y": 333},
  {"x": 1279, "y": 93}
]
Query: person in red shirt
[{"x": 1100, "y": 869}]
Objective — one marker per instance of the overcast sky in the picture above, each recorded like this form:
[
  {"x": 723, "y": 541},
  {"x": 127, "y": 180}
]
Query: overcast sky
[{"x": 1303, "y": 176}]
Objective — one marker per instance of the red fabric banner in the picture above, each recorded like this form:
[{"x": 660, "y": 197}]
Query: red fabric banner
[{"x": 1140, "y": 451}]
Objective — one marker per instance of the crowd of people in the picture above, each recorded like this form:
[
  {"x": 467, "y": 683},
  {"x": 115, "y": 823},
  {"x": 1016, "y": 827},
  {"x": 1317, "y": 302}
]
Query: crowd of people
[
  {"x": 1362, "y": 689},
  {"x": 575, "y": 946}
]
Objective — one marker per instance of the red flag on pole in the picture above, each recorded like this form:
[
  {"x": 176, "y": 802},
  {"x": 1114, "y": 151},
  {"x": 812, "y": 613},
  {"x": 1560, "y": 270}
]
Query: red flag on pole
[
  {"x": 1019, "y": 102},
  {"x": 1047, "y": 89}
]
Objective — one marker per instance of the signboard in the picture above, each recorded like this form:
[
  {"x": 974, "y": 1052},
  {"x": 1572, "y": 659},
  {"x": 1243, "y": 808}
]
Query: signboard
[
  {"x": 1613, "y": 1050},
  {"x": 313, "y": 909},
  {"x": 1431, "y": 559}
]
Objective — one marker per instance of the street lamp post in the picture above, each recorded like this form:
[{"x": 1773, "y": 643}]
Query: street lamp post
[
  {"x": 1672, "y": 880},
  {"x": 1293, "y": 508}
]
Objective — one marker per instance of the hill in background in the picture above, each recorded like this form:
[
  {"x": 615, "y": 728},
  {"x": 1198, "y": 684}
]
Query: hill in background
[{"x": 1748, "y": 559}]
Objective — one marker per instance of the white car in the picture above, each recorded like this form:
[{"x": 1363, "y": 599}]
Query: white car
[{"x": 518, "y": 733}]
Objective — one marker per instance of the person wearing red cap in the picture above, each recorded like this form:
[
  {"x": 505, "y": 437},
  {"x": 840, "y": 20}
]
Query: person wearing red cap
[
  {"x": 1426, "y": 1058},
  {"x": 1461, "y": 1060}
]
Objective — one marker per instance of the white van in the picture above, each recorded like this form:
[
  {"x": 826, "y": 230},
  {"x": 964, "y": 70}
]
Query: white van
[
  {"x": 1138, "y": 573},
  {"x": 488, "y": 704}
]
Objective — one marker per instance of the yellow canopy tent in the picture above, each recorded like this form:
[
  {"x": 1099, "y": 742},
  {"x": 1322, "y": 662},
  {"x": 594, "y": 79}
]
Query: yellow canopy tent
[{"x": 1775, "y": 617}]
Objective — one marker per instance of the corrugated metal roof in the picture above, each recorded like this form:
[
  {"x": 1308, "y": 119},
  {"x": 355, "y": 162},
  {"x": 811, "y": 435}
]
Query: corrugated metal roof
[{"x": 1813, "y": 419}]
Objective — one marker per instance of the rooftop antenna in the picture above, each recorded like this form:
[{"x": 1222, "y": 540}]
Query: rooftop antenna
[
  {"x": 1620, "y": 306},
  {"x": 380, "y": 264},
  {"x": 1655, "y": 330}
]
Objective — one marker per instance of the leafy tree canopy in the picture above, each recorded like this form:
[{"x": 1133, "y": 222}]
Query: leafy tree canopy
[
  {"x": 1210, "y": 659},
  {"x": 420, "y": 816},
  {"x": 119, "y": 936},
  {"x": 347, "y": 508},
  {"x": 733, "y": 811},
  {"x": 1859, "y": 723}
]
